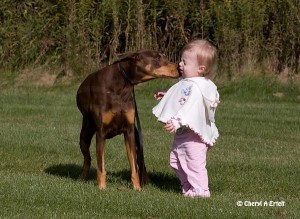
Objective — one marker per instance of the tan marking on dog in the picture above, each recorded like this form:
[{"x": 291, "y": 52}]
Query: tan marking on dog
[
  {"x": 169, "y": 70},
  {"x": 107, "y": 117},
  {"x": 147, "y": 77},
  {"x": 101, "y": 179},
  {"x": 130, "y": 116},
  {"x": 148, "y": 67}
]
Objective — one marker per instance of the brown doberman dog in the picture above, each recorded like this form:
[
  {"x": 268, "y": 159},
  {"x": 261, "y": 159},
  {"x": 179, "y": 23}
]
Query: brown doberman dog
[{"x": 106, "y": 101}]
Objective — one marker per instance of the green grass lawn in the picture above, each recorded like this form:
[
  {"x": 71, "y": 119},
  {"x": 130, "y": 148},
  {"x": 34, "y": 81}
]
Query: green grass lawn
[{"x": 255, "y": 161}]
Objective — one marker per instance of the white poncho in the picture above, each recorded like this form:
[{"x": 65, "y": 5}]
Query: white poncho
[{"x": 192, "y": 102}]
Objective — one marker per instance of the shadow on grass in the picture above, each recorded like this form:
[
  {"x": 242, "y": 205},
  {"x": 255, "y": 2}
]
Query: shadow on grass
[
  {"x": 71, "y": 171},
  {"x": 163, "y": 181}
]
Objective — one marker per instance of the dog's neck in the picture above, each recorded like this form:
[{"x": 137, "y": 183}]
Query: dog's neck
[{"x": 125, "y": 75}]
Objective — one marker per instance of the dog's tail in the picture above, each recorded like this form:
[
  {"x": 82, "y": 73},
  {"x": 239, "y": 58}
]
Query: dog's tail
[{"x": 140, "y": 156}]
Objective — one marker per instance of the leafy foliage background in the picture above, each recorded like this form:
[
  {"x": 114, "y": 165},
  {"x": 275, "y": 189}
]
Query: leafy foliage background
[{"x": 258, "y": 35}]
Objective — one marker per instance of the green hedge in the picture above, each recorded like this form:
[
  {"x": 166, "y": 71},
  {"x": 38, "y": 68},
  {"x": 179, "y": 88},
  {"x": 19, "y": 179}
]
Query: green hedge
[{"x": 78, "y": 34}]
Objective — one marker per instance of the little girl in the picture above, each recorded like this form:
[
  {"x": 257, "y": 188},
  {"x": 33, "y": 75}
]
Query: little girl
[{"x": 188, "y": 110}]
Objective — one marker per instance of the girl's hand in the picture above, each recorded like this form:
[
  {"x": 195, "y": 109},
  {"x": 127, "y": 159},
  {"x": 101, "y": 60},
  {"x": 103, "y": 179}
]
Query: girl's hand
[
  {"x": 169, "y": 126},
  {"x": 159, "y": 94}
]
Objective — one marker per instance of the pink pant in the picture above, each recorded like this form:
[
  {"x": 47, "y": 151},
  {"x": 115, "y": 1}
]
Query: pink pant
[{"x": 188, "y": 159}]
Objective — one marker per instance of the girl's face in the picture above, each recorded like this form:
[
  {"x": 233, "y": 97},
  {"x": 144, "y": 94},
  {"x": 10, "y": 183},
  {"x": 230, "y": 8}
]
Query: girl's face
[{"x": 189, "y": 66}]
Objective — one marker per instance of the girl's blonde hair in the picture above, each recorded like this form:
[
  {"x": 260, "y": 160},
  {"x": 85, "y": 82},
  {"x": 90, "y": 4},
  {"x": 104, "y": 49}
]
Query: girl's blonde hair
[{"x": 206, "y": 54}]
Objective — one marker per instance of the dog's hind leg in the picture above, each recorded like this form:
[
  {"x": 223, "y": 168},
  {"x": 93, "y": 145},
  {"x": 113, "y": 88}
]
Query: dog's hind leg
[{"x": 86, "y": 135}]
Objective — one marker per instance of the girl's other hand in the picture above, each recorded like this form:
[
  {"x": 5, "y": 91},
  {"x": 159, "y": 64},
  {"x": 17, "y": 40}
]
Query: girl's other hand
[
  {"x": 169, "y": 126},
  {"x": 159, "y": 94}
]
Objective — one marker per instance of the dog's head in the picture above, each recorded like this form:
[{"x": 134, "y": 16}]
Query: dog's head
[{"x": 150, "y": 64}]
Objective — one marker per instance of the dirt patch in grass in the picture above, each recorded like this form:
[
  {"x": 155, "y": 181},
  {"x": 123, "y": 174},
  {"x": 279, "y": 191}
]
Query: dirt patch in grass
[
  {"x": 278, "y": 94},
  {"x": 42, "y": 77}
]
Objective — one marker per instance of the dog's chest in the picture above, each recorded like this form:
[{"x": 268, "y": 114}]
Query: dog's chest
[
  {"x": 115, "y": 123},
  {"x": 117, "y": 112}
]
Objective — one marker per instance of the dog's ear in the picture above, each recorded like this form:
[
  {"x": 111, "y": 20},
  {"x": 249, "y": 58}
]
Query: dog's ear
[
  {"x": 136, "y": 57},
  {"x": 125, "y": 55},
  {"x": 133, "y": 56}
]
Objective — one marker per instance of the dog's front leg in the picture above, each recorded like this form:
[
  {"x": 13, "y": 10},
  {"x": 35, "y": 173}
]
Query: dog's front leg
[
  {"x": 100, "y": 149},
  {"x": 131, "y": 154}
]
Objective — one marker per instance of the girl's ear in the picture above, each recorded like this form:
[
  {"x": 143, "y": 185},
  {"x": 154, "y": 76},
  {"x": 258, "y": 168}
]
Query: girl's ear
[{"x": 201, "y": 69}]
